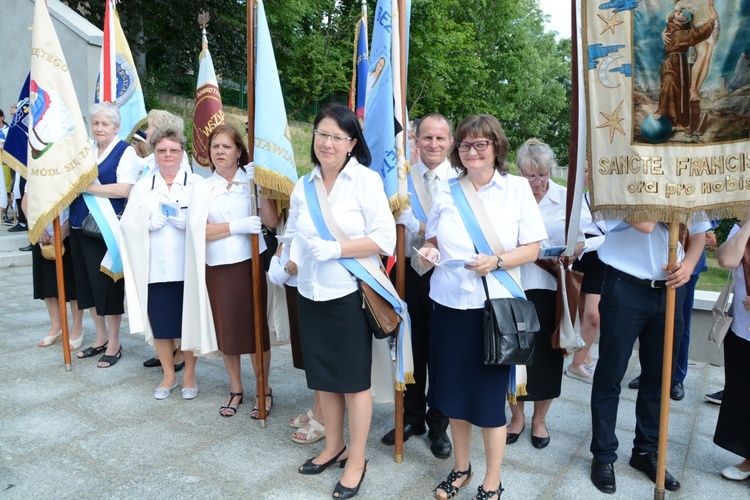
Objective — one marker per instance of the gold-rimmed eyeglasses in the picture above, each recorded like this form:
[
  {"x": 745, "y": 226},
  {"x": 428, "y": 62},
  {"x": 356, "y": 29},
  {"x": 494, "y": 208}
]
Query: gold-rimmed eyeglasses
[{"x": 322, "y": 137}]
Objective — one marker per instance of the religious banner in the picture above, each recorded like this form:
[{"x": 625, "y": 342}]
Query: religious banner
[{"x": 668, "y": 117}]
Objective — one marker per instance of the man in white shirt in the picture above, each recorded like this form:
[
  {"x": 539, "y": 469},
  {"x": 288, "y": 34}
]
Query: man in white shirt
[
  {"x": 434, "y": 136},
  {"x": 633, "y": 306}
]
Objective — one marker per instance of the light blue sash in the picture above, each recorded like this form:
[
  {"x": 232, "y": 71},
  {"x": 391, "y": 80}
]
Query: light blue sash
[
  {"x": 416, "y": 205},
  {"x": 112, "y": 262},
  {"x": 355, "y": 267}
]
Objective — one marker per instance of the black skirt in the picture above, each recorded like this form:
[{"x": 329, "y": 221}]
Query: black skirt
[
  {"x": 93, "y": 287},
  {"x": 461, "y": 385},
  {"x": 732, "y": 429},
  {"x": 336, "y": 344},
  {"x": 593, "y": 272},
  {"x": 44, "y": 274},
  {"x": 545, "y": 374},
  {"x": 291, "y": 307},
  {"x": 165, "y": 309}
]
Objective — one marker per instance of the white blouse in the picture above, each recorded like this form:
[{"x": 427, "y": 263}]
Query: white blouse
[
  {"x": 360, "y": 207},
  {"x": 129, "y": 166},
  {"x": 166, "y": 250},
  {"x": 552, "y": 208},
  {"x": 515, "y": 218},
  {"x": 232, "y": 204}
]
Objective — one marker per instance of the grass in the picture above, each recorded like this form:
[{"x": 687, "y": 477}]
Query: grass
[{"x": 715, "y": 278}]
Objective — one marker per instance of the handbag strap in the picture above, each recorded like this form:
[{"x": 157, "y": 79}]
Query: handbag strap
[{"x": 481, "y": 231}]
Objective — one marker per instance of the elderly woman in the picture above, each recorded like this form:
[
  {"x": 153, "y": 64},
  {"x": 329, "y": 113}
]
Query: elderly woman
[
  {"x": 101, "y": 293},
  {"x": 219, "y": 308},
  {"x": 336, "y": 341},
  {"x": 153, "y": 243},
  {"x": 461, "y": 386},
  {"x": 732, "y": 430},
  {"x": 155, "y": 119},
  {"x": 535, "y": 160}
]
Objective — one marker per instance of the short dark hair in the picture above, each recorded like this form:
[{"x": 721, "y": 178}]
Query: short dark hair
[
  {"x": 481, "y": 126},
  {"x": 347, "y": 121},
  {"x": 435, "y": 115},
  {"x": 235, "y": 136}
]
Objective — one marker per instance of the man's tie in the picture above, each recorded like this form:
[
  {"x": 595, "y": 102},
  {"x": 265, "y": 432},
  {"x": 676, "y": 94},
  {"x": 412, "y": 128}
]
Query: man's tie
[{"x": 430, "y": 183}]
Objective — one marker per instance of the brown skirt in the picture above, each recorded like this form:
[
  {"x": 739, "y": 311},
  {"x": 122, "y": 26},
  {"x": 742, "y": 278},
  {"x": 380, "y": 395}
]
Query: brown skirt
[{"x": 230, "y": 291}]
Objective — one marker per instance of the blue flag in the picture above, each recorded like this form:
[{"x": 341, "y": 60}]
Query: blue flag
[{"x": 17, "y": 140}]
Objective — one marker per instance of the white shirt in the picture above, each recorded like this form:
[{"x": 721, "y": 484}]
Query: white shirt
[
  {"x": 741, "y": 318},
  {"x": 515, "y": 218},
  {"x": 552, "y": 207},
  {"x": 642, "y": 254},
  {"x": 361, "y": 209},
  {"x": 591, "y": 226},
  {"x": 443, "y": 172},
  {"x": 127, "y": 169},
  {"x": 230, "y": 205},
  {"x": 166, "y": 251}
]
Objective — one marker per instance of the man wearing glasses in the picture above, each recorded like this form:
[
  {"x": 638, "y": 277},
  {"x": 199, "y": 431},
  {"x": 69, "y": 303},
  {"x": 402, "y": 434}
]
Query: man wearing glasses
[{"x": 434, "y": 137}]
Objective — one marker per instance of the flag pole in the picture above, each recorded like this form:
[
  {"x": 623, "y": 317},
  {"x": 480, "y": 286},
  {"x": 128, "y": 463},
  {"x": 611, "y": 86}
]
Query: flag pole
[
  {"x": 61, "y": 299},
  {"x": 666, "y": 368},
  {"x": 257, "y": 274},
  {"x": 400, "y": 231}
]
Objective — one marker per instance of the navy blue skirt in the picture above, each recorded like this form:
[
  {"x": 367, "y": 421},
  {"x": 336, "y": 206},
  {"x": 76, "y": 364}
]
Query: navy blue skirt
[
  {"x": 461, "y": 385},
  {"x": 165, "y": 309}
]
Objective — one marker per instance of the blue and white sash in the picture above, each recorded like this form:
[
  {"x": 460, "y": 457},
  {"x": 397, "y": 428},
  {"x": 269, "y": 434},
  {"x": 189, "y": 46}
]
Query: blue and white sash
[
  {"x": 366, "y": 270},
  {"x": 420, "y": 201},
  {"x": 106, "y": 218},
  {"x": 470, "y": 207}
]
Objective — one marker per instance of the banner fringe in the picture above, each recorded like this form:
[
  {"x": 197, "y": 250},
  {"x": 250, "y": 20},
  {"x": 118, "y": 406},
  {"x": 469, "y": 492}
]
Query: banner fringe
[{"x": 115, "y": 276}]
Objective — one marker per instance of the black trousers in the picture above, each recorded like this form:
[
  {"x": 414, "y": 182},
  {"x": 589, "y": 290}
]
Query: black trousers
[
  {"x": 420, "y": 309},
  {"x": 630, "y": 311}
]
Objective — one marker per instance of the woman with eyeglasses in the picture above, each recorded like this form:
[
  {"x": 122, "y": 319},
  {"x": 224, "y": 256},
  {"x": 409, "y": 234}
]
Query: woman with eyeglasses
[
  {"x": 152, "y": 233},
  {"x": 336, "y": 341},
  {"x": 461, "y": 386},
  {"x": 535, "y": 161},
  {"x": 219, "y": 312}
]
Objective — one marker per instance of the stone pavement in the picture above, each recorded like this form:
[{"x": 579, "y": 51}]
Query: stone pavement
[{"x": 99, "y": 433}]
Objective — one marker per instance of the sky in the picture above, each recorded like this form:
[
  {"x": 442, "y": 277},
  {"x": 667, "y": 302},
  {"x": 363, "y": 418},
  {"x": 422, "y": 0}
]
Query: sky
[{"x": 559, "y": 12}]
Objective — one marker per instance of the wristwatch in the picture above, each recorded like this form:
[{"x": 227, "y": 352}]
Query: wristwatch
[
  {"x": 499, "y": 262},
  {"x": 286, "y": 270}
]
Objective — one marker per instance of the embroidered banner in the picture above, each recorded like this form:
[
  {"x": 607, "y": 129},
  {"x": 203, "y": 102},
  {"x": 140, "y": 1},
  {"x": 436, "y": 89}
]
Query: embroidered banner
[{"x": 668, "y": 94}]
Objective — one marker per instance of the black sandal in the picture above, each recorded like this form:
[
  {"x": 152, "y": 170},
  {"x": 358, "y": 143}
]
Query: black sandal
[
  {"x": 486, "y": 495},
  {"x": 255, "y": 414},
  {"x": 448, "y": 487},
  {"x": 230, "y": 407},
  {"x": 112, "y": 360},
  {"x": 92, "y": 351}
]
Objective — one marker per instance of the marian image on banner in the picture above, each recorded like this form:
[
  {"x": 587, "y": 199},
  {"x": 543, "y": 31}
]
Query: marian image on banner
[{"x": 668, "y": 88}]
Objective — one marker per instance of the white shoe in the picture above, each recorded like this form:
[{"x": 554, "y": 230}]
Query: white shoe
[
  {"x": 733, "y": 473},
  {"x": 160, "y": 393},
  {"x": 582, "y": 373},
  {"x": 189, "y": 392}
]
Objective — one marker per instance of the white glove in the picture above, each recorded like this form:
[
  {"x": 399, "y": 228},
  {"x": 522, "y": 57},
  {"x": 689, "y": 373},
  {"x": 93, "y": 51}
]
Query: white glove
[
  {"x": 276, "y": 272},
  {"x": 250, "y": 170},
  {"x": 321, "y": 250},
  {"x": 410, "y": 222},
  {"x": 248, "y": 225},
  {"x": 157, "y": 221},
  {"x": 179, "y": 222}
]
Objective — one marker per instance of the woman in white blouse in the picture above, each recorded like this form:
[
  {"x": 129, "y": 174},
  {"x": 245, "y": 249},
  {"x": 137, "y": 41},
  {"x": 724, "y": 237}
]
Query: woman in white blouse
[
  {"x": 535, "y": 160},
  {"x": 218, "y": 312},
  {"x": 336, "y": 342},
  {"x": 153, "y": 226},
  {"x": 461, "y": 386},
  {"x": 117, "y": 165}
]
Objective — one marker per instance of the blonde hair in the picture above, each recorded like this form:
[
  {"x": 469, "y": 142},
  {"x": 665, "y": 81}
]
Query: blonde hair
[{"x": 158, "y": 118}]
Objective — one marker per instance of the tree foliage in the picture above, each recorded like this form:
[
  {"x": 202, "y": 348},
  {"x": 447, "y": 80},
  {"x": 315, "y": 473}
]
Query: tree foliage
[{"x": 483, "y": 56}]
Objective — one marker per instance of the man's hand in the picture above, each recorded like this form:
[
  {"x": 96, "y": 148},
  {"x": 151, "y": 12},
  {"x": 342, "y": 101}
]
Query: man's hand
[{"x": 678, "y": 275}]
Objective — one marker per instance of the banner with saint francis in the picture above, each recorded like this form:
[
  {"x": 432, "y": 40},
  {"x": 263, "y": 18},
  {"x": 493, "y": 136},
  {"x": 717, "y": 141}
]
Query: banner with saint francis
[
  {"x": 60, "y": 162},
  {"x": 668, "y": 118}
]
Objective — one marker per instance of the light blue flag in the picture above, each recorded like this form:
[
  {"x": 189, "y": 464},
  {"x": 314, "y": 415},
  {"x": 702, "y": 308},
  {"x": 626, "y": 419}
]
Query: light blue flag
[{"x": 275, "y": 169}]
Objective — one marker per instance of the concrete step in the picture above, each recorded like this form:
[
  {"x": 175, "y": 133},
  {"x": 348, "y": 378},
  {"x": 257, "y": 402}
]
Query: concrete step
[
  {"x": 14, "y": 258},
  {"x": 12, "y": 241}
]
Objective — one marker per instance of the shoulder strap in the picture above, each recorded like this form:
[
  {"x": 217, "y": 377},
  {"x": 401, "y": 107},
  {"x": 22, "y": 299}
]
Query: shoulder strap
[{"x": 480, "y": 230}]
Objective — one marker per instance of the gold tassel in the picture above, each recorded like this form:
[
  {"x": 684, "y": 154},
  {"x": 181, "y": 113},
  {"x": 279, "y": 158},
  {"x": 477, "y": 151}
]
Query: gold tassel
[
  {"x": 115, "y": 276},
  {"x": 409, "y": 378}
]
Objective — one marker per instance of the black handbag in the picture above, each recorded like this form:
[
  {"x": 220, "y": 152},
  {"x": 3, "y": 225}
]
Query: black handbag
[
  {"x": 509, "y": 328},
  {"x": 90, "y": 228}
]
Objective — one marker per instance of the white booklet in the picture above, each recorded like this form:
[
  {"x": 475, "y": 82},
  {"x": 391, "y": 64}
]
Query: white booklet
[{"x": 448, "y": 264}]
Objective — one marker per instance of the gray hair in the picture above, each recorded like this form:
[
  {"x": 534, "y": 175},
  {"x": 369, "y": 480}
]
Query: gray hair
[
  {"x": 159, "y": 118},
  {"x": 107, "y": 109},
  {"x": 535, "y": 155},
  {"x": 167, "y": 132}
]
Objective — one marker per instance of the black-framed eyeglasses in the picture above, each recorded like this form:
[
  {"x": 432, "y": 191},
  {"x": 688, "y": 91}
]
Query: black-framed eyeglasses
[
  {"x": 465, "y": 147},
  {"x": 322, "y": 137}
]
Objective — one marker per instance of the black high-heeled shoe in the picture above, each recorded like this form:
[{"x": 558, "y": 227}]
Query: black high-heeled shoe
[
  {"x": 341, "y": 491},
  {"x": 309, "y": 468}
]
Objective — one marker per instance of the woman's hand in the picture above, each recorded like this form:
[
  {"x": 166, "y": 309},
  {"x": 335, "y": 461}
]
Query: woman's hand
[
  {"x": 483, "y": 264},
  {"x": 157, "y": 221},
  {"x": 45, "y": 238},
  {"x": 291, "y": 267},
  {"x": 246, "y": 225},
  {"x": 431, "y": 253},
  {"x": 322, "y": 250},
  {"x": 746, "y": 303},
  {"x": 179, "y": 222}
]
